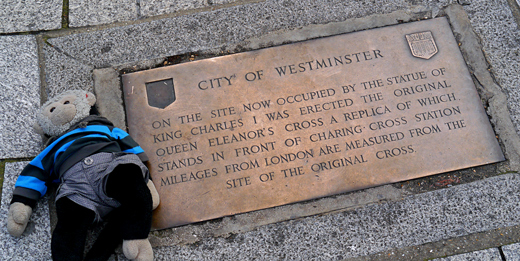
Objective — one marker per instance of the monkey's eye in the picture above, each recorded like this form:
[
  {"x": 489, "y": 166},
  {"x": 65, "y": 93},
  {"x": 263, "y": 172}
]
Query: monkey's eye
[
  {"x": 52, "y": 109},
  {"x": 66, "y": 102}
]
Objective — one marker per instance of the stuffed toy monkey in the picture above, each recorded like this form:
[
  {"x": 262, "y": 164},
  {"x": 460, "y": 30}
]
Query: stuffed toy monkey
[{"x": 101, "y": 176}]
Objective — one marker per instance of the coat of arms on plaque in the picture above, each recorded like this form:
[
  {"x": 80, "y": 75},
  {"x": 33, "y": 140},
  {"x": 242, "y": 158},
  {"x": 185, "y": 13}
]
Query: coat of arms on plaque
[
  {"x": 160, "y": 93},
  {"x": 422, "y": 44}
]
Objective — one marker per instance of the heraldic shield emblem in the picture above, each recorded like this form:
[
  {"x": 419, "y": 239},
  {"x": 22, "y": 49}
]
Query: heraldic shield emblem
[
  {"x": 422, "y": 44},
  {"x": 160, "y": 93}
]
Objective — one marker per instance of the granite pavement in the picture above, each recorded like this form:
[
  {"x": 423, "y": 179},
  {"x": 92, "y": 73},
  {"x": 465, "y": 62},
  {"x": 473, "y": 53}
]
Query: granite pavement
[{"x": 20, "y": 96}]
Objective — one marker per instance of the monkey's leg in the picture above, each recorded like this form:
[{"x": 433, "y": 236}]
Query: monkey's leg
[
  {"x": 68, "y": 238},
  {"x": 132, "y": 220},
  {"x": 108, "y": 240},
  {"x": 126, "y": 184}
]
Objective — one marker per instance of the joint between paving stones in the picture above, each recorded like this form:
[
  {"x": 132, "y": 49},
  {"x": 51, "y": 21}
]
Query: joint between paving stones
[
  {"x": 502, "y": 253},
  {"x": 138, "y": 5},
  {"x": 65, "y": 15},
  {"x": 495, "y": 238},
  {"x": 40, "y": 41},
  {"x": 64, "y": 31},
  {"x": 463, "y": 2},
  {"x": 65, "y": 28}
]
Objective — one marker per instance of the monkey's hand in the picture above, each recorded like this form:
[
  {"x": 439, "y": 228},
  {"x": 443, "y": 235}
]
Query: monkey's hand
[
  {"x": 17, "y": 218},
  {"x": 138, "y": 249},
  {"x": 155, "y": 196}
]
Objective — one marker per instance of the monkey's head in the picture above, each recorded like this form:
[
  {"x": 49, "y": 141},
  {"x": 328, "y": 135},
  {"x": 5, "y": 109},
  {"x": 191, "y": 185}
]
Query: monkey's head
[{"x": 64, "y": 110}]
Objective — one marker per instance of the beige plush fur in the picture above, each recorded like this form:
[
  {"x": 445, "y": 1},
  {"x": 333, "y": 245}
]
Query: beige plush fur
[
  {"x": 155, "y": 194},
  {"x": 61, "y": 112},
  {"x": 138, "y": 249},
  {"x": 17, "y": 218}
]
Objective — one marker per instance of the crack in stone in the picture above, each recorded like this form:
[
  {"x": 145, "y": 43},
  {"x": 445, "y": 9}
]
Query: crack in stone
[
  {"x": 69, "y": 56},
  {"x": 138, "y": 4}
]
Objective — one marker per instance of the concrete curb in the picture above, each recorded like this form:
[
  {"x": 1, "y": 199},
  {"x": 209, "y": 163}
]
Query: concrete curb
[{"x": 490, "y": 91}]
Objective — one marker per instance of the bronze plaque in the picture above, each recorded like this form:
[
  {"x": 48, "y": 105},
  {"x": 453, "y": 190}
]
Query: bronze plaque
[{"x": 306, "y": 120}]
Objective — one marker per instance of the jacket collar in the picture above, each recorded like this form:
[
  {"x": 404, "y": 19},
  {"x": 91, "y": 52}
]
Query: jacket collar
[{"x": 89, "y": 120}]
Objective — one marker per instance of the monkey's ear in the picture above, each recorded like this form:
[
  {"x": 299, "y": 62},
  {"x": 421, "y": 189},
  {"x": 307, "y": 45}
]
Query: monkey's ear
[
  {"x": 91, "y": 98},
  {"x": 37, "y": 128}
]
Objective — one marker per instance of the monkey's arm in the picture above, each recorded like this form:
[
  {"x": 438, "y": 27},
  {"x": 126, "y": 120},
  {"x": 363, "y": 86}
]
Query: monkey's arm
[
  {"x": 29, "y": 187},
  {"x": 17, "y": 218},
  {"x": 128, "y": 144},
  {"x": 32, "y": 182}
]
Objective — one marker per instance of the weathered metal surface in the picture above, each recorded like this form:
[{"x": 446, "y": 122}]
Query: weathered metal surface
[{"x": 306, "y": 120}]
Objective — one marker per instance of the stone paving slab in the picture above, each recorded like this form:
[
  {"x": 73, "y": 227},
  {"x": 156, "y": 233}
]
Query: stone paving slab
[
  {"x": 225, "y": 27},
  {"x": 500, "y": 37},
  {"x": 99, "y": 12},
  {"x": 416, "y": 220},
  {"x": 62, "y": 72},
  {"x": 495, "y": 238},
  {"x": 209, "y": 30},
  {"x": 35, "y": 242},
  {"x": 158, "y": 7},
  {"x": 511, "y": 252},
  {"x": 491, "y": 254},
  {"x": 96, "y": 12},
  {"x": 109, "y": 101},
  {"x": 23, "y": 16},
  {"x": 19, "y": 96}
]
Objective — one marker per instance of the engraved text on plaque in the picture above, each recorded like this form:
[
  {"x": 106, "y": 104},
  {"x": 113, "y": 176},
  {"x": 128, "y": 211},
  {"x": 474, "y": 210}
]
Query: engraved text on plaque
[{"x": 269, "y": 127}]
